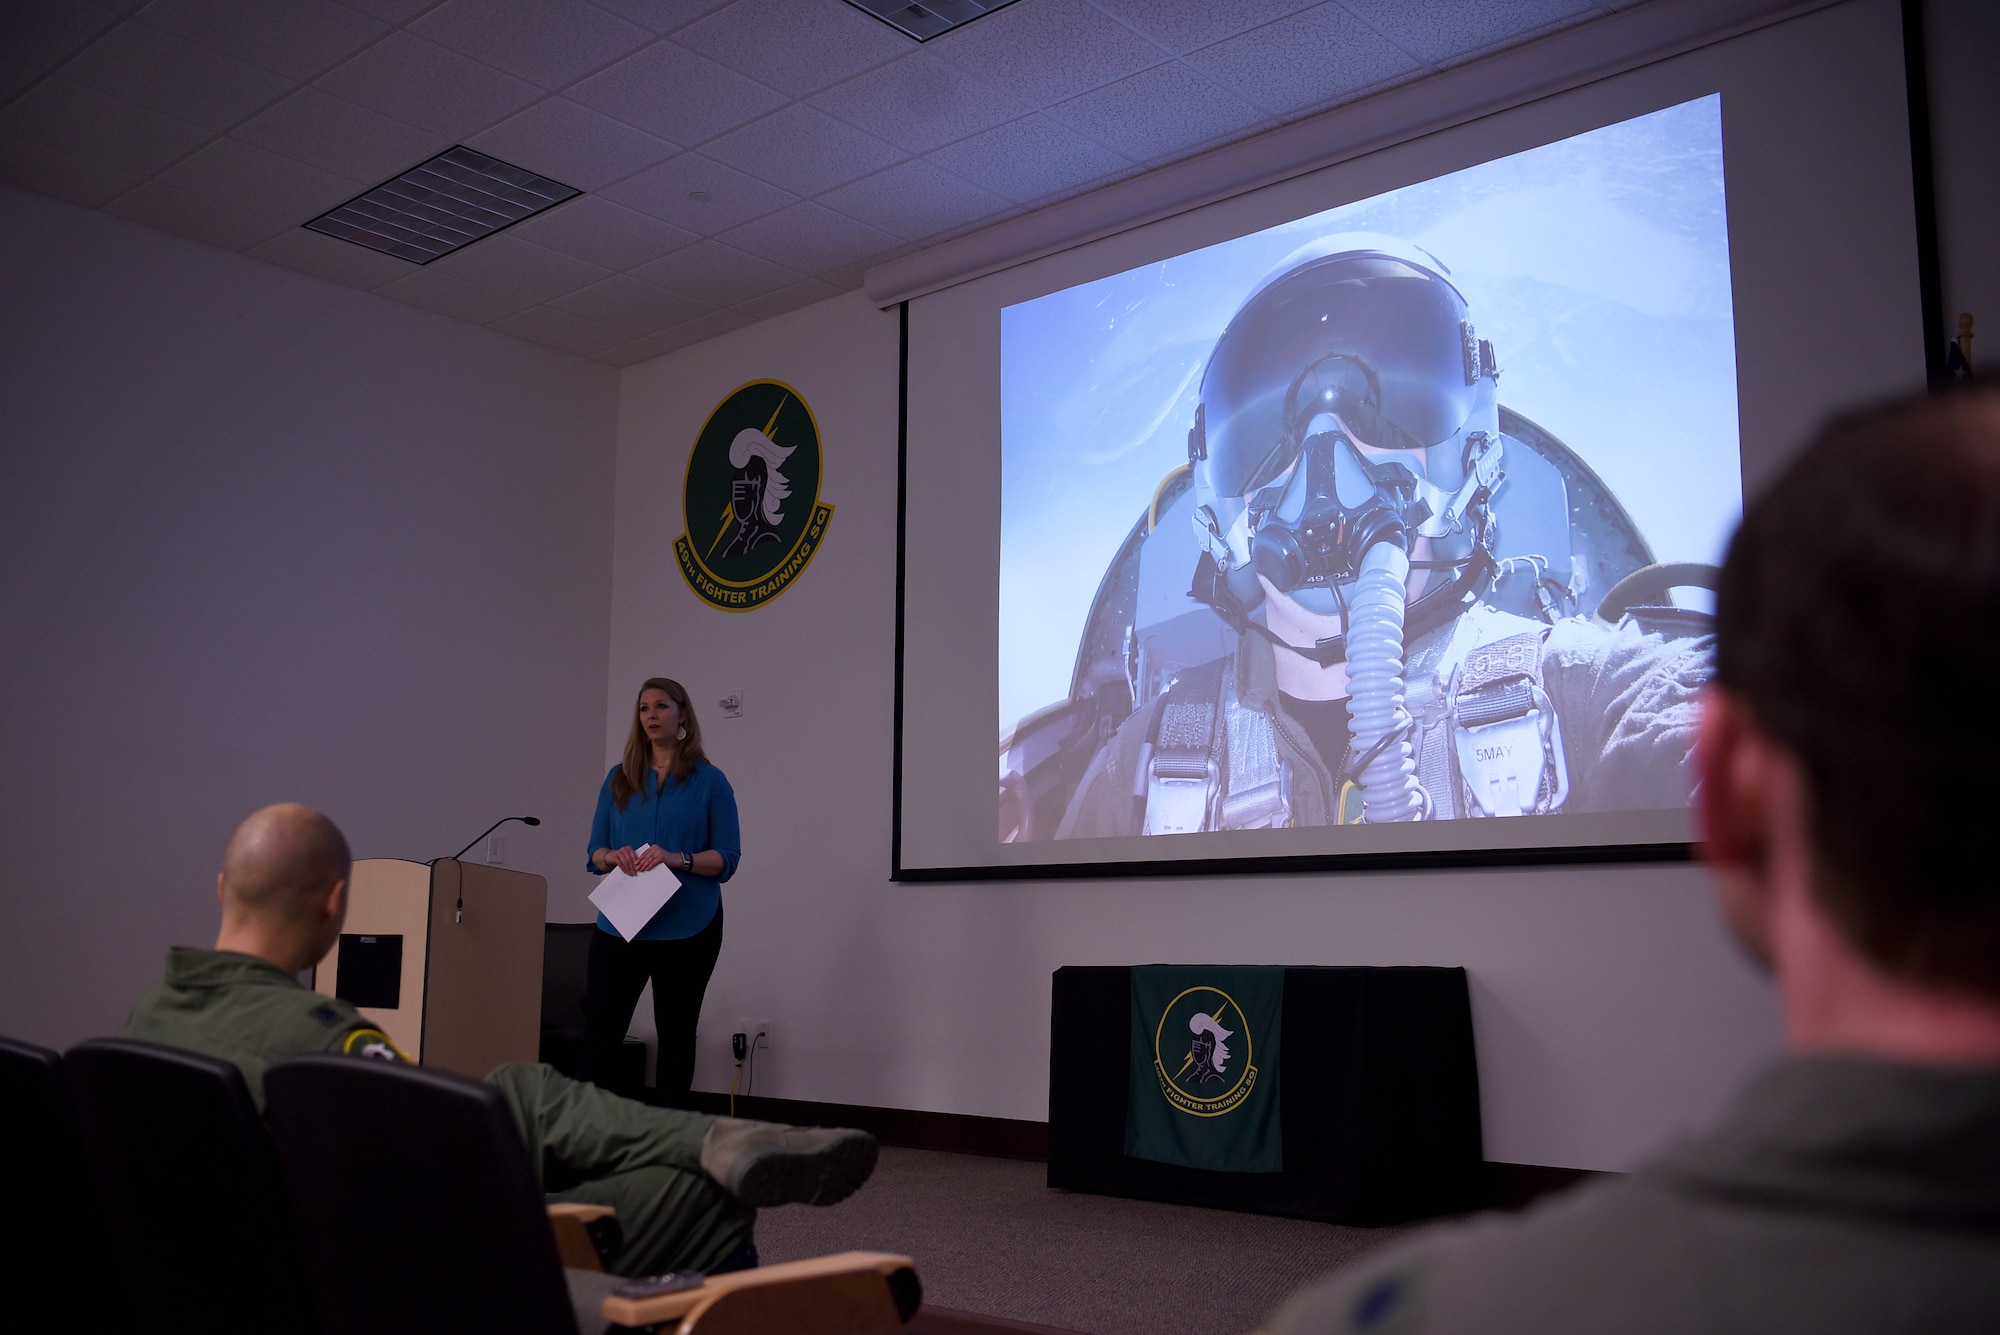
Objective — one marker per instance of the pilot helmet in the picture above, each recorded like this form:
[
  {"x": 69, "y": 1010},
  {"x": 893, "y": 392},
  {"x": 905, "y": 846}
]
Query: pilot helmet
[{"x": 1356, "y": 340}]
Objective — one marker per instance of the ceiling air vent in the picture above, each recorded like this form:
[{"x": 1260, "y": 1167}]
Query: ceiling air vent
[
  {"x": 927, "y": 18},
  {"x": 439, "y": 206}
]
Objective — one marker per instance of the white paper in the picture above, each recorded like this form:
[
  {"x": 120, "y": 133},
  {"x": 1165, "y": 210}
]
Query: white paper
[{"x": 631, "y": 901}]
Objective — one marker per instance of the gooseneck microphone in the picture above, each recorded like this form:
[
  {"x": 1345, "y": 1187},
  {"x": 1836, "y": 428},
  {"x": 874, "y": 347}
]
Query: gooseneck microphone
[
  {"x": 458, "y": 914},
  {"x": 525, "y": 820}
]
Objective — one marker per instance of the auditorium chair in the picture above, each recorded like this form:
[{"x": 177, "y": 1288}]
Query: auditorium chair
[
  {"x": 419, "y": 1212},
  {"x": 191, "y": 1190},
  {"x": 64, "y": 1254}
]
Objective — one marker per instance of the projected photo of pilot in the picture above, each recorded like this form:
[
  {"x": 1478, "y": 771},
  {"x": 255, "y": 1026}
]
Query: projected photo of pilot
[{"x": 1403, "y": 511}]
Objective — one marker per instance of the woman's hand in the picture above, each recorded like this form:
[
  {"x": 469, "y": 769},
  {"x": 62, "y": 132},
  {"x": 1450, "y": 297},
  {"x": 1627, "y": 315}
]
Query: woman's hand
[
  {"x": 648, "y": 860},
  {"x": 623, "y": 859}
]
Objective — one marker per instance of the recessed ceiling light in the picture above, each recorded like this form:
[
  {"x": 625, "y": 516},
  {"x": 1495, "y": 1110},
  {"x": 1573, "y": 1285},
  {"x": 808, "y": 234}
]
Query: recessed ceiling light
[
  {"x": 927, "y": 18},
  {"x": 442, "y": 205},
  {"x": 699, "y": 195}
]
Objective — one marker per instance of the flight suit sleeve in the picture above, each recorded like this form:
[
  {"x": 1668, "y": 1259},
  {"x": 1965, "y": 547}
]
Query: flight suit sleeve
[{"x": 1630, "y": 704}]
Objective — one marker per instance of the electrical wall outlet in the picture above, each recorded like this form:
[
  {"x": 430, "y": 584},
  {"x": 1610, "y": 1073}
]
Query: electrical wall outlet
[
  {"x": 732, "y": 704},
  {"x": 764, "y": 1029},
  {"x": 496, "y": 848}
]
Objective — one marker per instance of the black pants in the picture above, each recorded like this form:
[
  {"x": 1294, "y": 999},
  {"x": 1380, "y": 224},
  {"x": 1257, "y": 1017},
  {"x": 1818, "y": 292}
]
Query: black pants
[{"x": 619, "y": 972}]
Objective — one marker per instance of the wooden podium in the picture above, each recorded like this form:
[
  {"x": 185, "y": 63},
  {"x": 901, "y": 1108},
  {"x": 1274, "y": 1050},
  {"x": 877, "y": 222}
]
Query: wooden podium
[{"x": 457, "y": 990}]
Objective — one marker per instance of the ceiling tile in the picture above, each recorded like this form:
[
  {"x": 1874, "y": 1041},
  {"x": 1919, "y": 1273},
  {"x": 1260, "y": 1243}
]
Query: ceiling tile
[
  {"x": 702, "y": 328},
  {"x": 912, "y": 200},
  {"x": 795, "y": 46},
  {"x": 1044, "y": 51},
  {"x": 175, "y": 77},
  {"x": 60, "y": 175},
  {"x": 391, "y": 11},
  {"x": 1449, "y": 29},
  {"x": 507, "y": 263},
  {"x": 232, "y": 172},
  {"x": 599, "y": 232},
  {"x": 850, "y": 277},
  {"x": 717, "y": 273},
  {"x": 560, "y": 330},
  {"x": 802, "y": 150},
  {"x": 334, "y": 135},
  {"x": 810, "y": 238},
  {"x": 788, "y": 299},
  {"x": 336, "y": 261},
  {"x": 1304, "y": 61},
  {"x": 573, "y": 144},
  {"x": 97, "y": 127},
  {"x": 14, "y": 79},
  {"x": 1162, "y": 112},
  {"x": 1035, "y": 157},
  {"x": 665, "y": 192},
  {"x": 427, "y": 86},
  {"x": 662, "y": 16},
  {"x": 299, "y": 39},
  {"x": 443, "y": 294},
  {"x": 679, "y": 96},
  {"x": 624, "y": 302},
  {"x": 1188, "y": 25},
  {"x": 1523, "y": 36},
  {"x": 919, "y": 103},
  {"x": 631, "y": 354},
  {"x": 549, "y": 42},
  {"x": 43, "y": 33},
  {"x": 197, "y": 219}
]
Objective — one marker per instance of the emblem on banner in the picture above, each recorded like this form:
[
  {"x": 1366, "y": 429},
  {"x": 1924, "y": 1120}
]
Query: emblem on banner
[
  {"x": 1202, "y": 1051},
  {"x": 751, "y": 499}
]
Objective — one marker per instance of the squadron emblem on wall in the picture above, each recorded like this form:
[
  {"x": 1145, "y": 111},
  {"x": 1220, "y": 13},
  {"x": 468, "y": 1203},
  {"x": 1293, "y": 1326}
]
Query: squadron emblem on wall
[{"x": 751, "y": 500}]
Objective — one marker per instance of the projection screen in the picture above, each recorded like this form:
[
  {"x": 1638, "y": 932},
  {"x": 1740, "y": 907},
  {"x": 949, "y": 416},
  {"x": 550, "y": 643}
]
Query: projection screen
[{"x": 1369, "y": 517}]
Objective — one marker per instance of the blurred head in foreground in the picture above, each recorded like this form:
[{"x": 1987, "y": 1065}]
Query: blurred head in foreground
[{"x": 1849, "y": 747}]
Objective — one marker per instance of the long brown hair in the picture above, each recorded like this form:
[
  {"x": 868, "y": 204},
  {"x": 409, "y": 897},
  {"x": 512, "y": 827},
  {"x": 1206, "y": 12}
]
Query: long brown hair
[{"x": 631, "y": 775}]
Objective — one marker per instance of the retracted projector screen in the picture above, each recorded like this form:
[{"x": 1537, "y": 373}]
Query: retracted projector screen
[{"x": 1372, "y": 516}]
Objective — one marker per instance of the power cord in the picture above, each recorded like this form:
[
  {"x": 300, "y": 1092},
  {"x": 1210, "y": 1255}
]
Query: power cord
[
  {"x": 744, "y": 1047},
  {"x": 756, "y": 1041},
  {"x": 738, "y": 1044}
]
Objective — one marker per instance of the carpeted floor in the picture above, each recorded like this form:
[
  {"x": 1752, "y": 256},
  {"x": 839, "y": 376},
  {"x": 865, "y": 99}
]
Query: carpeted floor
[{"x": 988, "y": 1237}]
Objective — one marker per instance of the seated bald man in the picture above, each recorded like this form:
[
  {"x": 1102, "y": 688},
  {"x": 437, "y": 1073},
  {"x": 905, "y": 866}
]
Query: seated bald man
[
  {"x": 686, "y": 1186},
  {"x": 1850, "y": 765}
]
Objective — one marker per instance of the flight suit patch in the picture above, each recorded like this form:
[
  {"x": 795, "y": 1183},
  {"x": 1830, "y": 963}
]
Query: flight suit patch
[
  {"x": 372, "y": 1043},
  {"x": 325, "y": 1014}
]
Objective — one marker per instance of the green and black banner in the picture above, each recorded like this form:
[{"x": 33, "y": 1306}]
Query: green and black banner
[
  {"x": 751, "y": 499},
  {"x": 1204, "y": 1081}
]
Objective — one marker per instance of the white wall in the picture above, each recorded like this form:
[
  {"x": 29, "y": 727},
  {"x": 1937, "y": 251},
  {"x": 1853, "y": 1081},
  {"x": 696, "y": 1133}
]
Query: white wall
[
  {"x": 1609, "y": 1008},
  {"x": 264, "y": 537}
]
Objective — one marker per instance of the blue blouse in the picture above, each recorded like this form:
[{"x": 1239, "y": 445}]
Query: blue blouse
[{"x": 682, "y": 816}]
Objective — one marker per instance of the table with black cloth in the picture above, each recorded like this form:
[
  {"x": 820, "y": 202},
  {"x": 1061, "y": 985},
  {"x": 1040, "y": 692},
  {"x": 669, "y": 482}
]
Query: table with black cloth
[{"x": 1378, "y": 1098}]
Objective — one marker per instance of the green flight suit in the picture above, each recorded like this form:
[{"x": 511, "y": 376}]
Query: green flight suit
[
  {"x": 1840, "y": 1195},
  {"x": 586, "y": 1145}
]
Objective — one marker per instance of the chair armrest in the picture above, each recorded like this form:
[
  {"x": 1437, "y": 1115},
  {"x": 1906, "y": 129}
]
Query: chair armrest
[
  {"x": 842, "y": 1291},
  {"x": 570, "y": 1223}
]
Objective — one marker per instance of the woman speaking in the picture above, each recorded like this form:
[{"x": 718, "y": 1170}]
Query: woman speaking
[{"x": 665, "y": 798}]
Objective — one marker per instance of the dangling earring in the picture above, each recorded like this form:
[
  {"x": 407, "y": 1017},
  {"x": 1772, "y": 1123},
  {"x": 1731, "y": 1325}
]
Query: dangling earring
[{"x": 681, "y": 736}]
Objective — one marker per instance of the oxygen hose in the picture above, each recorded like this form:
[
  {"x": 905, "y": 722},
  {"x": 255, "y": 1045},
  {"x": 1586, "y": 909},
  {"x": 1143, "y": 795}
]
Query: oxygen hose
[{"x": 1377, "y": 721}]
